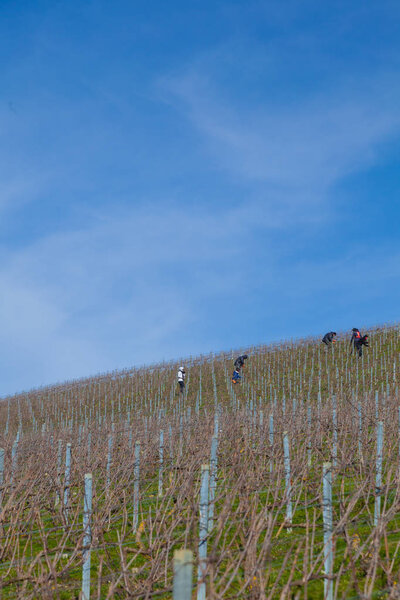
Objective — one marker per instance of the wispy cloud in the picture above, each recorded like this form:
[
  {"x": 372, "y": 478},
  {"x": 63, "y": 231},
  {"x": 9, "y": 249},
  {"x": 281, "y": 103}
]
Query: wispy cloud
[
  {"x": 127, "y": 289},
  {"x": 124, "y": 289},
  {"x": 309, "y": 144}
]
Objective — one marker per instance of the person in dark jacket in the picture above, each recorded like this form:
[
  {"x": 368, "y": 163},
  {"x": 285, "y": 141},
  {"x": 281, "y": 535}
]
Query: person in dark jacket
[
  {"x": 359, "y": 343},
  {"x": 239, "y": 362},
  {"x": 329, "y": 338}
]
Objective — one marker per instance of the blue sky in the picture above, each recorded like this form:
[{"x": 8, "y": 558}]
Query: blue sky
[{"x": 182, "y": 177}]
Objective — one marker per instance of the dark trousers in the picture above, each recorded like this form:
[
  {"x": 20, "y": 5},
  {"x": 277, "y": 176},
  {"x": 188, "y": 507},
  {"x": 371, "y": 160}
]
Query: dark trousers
[{"x": 359, "y": 348}]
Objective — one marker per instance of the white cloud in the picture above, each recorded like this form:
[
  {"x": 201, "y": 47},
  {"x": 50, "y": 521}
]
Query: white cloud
[
  {"x": 307, "y": 145},
  {"x": 123, "y": 290}
]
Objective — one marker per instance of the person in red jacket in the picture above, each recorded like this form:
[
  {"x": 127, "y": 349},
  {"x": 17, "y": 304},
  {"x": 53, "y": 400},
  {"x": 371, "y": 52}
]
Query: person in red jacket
[
  {"x": 357, "y": 341},
  {"x": 363, "y": 341},
  {"x": 355, "y": 337}
]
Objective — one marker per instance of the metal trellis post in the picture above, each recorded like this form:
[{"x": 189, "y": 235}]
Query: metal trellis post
[
  {"x": 203, "y": 532},
  {"x": 87, "y": 539}
]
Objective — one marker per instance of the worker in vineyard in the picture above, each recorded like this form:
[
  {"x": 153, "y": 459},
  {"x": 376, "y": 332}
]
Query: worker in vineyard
[
  {"x": 181, "y": 379},
  {"x": 238, "y": 364},
  {"x": 329, "y": 338},
  {"x": 355, "y": 337},
  {"x": 358, "y": 345}
]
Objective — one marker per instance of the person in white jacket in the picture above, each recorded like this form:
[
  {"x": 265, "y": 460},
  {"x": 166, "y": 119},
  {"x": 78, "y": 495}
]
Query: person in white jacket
[{"x": 181, "y": 378}]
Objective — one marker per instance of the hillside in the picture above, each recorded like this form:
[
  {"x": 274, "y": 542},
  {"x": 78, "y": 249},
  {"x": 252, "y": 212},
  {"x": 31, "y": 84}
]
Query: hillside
[{"x": 299, "y": 406}]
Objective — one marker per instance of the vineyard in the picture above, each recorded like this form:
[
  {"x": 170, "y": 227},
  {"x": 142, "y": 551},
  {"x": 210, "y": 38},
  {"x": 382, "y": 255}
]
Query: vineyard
[{"x": 285, "y": 486}]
